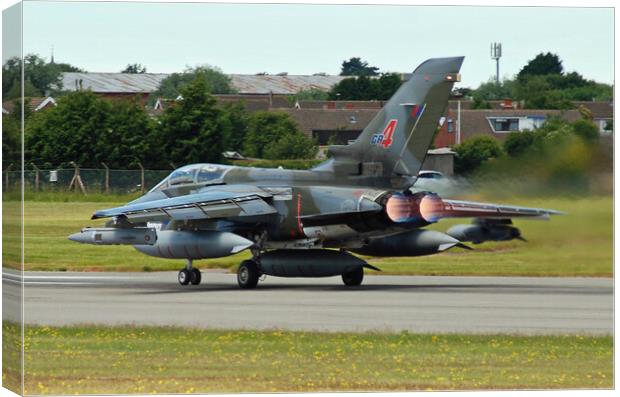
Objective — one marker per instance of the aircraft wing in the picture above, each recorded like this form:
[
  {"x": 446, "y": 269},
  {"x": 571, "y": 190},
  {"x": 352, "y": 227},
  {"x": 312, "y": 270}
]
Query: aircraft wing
[
  {"x": 217, "y": 202},
  {"x": 472, "y": 209}
]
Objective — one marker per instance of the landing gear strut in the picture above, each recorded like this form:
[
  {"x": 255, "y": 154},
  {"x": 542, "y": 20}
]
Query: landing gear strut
[{"x": 189, "y": 275}]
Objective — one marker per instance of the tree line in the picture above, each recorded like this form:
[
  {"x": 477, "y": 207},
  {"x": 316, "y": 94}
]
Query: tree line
[
  {"x": 541, "y": 84},
  {"x": 89, "y": 130}
]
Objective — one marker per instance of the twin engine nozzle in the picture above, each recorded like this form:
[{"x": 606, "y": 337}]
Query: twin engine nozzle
[{"x": 421, "y": 207}]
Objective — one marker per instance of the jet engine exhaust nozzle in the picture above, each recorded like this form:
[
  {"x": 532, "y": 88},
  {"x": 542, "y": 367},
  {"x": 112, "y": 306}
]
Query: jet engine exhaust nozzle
[{"x": 422, "y": 206}]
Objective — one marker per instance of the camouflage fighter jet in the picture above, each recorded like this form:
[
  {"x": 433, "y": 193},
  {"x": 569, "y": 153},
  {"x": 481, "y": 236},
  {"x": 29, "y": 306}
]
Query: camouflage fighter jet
[{"x": 306, "y": 223}]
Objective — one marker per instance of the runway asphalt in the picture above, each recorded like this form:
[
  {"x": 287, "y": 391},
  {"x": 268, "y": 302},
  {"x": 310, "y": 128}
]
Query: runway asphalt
[{"x": 514, "y": 305}]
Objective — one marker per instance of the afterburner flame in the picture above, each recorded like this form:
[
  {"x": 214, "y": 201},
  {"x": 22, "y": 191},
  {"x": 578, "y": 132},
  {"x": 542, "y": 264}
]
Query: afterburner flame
[
  {"x": 422, "y": 206},
  {"x": 431, "y": 207}
]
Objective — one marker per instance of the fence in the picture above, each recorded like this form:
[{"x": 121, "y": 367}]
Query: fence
[{"x": 85, "y": 180}]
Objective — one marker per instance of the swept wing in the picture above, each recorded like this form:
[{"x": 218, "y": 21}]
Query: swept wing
[
  {"x": 217, "y": 202},
  {"x": 472, "y": 209}
]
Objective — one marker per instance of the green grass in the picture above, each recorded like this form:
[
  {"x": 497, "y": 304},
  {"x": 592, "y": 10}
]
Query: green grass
[
  {"x": 109, "y": 360},
  {"x": 576, "y": 244}
]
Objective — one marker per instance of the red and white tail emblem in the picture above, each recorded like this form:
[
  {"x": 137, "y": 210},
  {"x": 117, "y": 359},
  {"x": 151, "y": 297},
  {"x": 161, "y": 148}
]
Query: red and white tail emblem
[{"x": 385, "y": 138}]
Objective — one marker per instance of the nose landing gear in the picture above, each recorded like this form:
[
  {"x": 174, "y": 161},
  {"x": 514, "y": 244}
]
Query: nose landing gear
[{"x": 189, "y": 275}]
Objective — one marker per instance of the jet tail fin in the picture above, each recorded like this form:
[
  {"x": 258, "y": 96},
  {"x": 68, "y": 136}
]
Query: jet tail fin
[{"x": 396, "y": 140}]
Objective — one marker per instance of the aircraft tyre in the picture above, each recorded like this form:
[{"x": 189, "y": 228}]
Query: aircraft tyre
[
  {"x": 248, "y": 274},
  {"x": 353, "y": 278},
  {"x": 184, "y": 276},
  {"x": 195, "y": 276}
]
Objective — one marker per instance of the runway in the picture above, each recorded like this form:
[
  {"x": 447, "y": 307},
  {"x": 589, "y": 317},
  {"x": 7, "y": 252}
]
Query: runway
[{"x": 514, "y": 305}]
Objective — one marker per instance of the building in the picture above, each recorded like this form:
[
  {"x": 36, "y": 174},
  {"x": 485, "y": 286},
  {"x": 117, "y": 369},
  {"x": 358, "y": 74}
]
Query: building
[
  {"x": 441, "y": 159},
  {"x": 496, "y": 123},
  {"x": 114, "y": 85},
  {"x": 602, "y": 115},
  {"x": 331, "y": 126},
  {"x": 34, "y": 104},
  {"x": 342, "y": 121},
  {"x": 119, "y": 85}
]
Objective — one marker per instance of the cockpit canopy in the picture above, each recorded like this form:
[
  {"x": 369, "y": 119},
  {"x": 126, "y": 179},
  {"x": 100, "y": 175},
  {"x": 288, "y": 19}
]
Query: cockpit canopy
[{"x": 194, "y": 173}]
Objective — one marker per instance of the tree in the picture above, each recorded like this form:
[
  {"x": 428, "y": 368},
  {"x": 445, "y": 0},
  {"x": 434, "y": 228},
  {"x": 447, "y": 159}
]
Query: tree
[
  {"x": 29, "y": 91},
  {"x": 275, "y": 135},
  {"x": 194, "y": 129},
  {"x": 292, "y": 146},
  {"x": 89, "y": 130},
  {"x": 387, "y": 85},
  {"x": 365, "y": 88},
  {"x": 517, "y": 143},
  {"x": 134, "y": 68},
  {"x": 130, "y": 138},
  {"x": 11, "y": 141},
  {"x": 492, "y": 91},
  {"x": 354, "y": 89},
  {"x": 472, "y": 153},
  {"x": 65, "y": 67},
  {"x": 40, "y": 78},
  {"x": 356, "y": 67},
  {"x": 216, "y": 82},
  {"x": 74, "y": 130},
  {"x": 542, "y": 84},
  {"x": 537, "y": 93},
  {"x": 237, "y": 120},
  {"x": 541, "y": 65},
  {"x": 586, "y": 130},
  {"x": 311, "y": 94}
]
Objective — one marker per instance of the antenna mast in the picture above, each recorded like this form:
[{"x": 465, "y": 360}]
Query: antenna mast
[{"x": 496, "y": 54}]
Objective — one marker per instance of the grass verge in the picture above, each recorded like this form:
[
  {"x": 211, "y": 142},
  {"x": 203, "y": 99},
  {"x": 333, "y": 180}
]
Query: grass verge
[
  {"x": 110, "y": 360},
  {"x": 576, "y": 244}
]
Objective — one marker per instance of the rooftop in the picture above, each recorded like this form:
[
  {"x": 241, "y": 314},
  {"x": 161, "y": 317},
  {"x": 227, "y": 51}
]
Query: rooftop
[{"x": 145, "y": 83}]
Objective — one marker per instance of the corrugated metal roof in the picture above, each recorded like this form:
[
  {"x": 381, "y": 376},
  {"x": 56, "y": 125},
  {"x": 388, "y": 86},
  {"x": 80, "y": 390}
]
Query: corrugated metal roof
[
  {"x": 113, "y": 82},
  {"x": 290, "y": 84},
  {"x": 148, "y": 82}
]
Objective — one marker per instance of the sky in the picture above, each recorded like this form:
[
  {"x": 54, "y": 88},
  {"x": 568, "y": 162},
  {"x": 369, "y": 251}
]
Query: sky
[{"x": 306, "y": 39}]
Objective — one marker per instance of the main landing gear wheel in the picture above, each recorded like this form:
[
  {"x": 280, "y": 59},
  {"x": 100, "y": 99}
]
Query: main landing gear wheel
[
  {"x": 184, "y": 276},
  {"x": 248, "y": 274},
  {"x": 353, "y": 278},
  {"x": 196, "y": 277}
]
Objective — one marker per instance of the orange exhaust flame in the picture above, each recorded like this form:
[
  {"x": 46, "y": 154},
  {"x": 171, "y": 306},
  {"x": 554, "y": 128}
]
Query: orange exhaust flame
[{"x": 403, "y": 209}]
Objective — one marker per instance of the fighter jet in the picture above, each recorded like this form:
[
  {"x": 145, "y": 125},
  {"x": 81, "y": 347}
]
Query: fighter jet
[{"x": 310, "y": 223}]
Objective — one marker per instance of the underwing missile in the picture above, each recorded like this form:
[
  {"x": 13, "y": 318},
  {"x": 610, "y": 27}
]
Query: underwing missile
[
  {"x": 116, "y": 236},
  {"x": 412, "y": 243},
  {"x": 477, "y": 233}
]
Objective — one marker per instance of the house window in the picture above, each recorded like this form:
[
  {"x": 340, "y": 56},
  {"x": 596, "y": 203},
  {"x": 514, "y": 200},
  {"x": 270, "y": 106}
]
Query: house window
[
  {"x": 505, "y": 124},
  {"x": 450, "y": 125}
]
